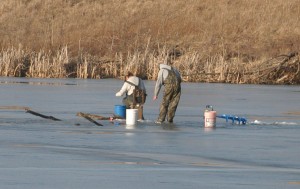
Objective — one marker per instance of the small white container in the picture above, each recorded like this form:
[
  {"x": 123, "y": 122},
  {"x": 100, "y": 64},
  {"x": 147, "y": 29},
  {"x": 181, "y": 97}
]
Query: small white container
[{"x": 131, "y": 116}]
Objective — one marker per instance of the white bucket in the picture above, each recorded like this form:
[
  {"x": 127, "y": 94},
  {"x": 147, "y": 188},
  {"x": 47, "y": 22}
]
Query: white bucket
[{"x": 131, "y": 116}]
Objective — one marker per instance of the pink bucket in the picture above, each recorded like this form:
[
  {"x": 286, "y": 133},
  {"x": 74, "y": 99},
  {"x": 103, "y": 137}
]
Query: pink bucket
[{"x": 210, "y": 118}]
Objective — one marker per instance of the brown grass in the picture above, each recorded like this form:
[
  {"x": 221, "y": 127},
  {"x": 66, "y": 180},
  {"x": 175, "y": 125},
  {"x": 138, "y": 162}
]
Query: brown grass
[{"x": 208, "y": 40}]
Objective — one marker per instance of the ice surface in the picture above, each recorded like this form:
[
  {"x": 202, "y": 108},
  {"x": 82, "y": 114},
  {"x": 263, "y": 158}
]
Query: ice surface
[{"x": 75, "y": 153}]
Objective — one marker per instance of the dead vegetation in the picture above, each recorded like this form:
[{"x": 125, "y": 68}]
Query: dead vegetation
[
  {"x": 209, "y": 41},
  {"x": 284, "y": 69}
]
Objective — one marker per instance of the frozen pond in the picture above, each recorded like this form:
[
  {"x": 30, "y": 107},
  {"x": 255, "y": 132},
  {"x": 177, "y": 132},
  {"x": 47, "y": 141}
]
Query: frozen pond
[{"x": 75, "y": 153}]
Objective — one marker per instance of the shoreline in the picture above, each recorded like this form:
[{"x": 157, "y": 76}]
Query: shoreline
[{"x": 282, "y": 70}]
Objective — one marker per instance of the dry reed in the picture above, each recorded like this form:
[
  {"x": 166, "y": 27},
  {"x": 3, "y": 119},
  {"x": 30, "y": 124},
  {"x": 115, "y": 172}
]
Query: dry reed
[{"x": 209, "y": 40}]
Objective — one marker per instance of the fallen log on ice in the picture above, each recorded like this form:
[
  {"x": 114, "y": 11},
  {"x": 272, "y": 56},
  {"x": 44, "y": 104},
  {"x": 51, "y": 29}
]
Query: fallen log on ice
[
  {"x": 93, "y": 116},
  {"x": 41, "y": 115},
  {"x": 99, "y": 117},
  {"x": 88, "y": 117}
]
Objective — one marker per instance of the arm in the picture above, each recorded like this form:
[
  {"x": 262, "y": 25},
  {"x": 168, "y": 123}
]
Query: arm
[
  {"x": 123, "y": 90},
  {"x": 159, "y": 83}
]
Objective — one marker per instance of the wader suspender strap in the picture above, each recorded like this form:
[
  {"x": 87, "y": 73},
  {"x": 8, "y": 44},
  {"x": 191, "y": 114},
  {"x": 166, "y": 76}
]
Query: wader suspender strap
[
  {"x": 133, "y": 83},
  {"x": 173, "y": 72}
]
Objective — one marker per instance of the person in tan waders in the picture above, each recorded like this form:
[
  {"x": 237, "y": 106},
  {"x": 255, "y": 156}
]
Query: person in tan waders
[{"x": 171, "y": 79}]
